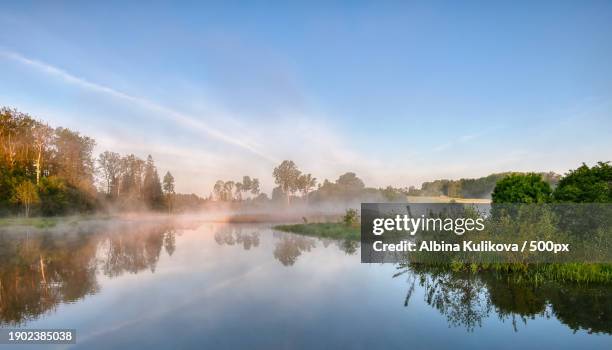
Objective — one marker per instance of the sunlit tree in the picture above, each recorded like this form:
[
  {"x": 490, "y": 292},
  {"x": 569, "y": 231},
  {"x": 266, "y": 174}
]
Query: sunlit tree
[
  {"x": 305, "y": 183},
  {"x": 286, "y": 176},
  {"x": 109, "y": 164},
  {"x": 26, "y": 194}
]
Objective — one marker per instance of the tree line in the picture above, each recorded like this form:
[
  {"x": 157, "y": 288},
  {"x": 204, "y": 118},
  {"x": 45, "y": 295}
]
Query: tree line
[
  {"x": 52, "y": 171},
  {"x": 233, "y": 190},
  {"x": 481, "y": 187},
  {"x": 582, "y": 185}
]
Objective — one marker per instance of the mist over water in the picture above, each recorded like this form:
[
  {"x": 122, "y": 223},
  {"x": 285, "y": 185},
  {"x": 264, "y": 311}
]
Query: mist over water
[{"x": 159, "y": 282}]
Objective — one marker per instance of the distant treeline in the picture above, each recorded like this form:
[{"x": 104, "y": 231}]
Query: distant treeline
[{"x": 481, "y": 187}]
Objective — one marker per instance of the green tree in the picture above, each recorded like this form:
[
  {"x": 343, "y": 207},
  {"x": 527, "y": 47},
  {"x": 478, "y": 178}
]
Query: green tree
[
  {"x": 349, "y": 186},
  {"x": 522, "y": 188},
  {"x": 151, "y": 186},
  {"x": 239, "y": 188},
  {"x": 73, "y": 158},
  {"x": 42, "y": 136},
  {"x": 168, "y": 187},
  {"x": 55, "y": 196},
  {"x": 110, "y": 166},
  {"x": 278, "y": 195},
  {"x": 26, "y": 195},
  {"x": 246, "y": 184},
  {"x": 586, "y": 185},
  {"x": 218, "y": 190},
  {"x": 228, "y": 188},
  {"x": 254, "y": 187},
  {"x": 286, "y": 177},
  {"x": 305, "y": 183},
  {"x": 350, "y": 217}
]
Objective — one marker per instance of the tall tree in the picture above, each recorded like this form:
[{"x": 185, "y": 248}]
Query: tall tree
[
  {"x": 239, "y": 189},
  {"x": 110, "y": 167},
  {"x": 246, "y": 184},
  {"x": 305, "y": 184},
  {"x": 151, "y": 186},
  {"x": 168, "y": 187},
  {"x": 219, "y": 189},
  {"x": 131, "y": 183},
  {"x": 73, "y": 158},
  {"x": 228, "y": 188},
  {"x": 254, "y": 187},
  {"x": 286, "y": 176},
  {"x": 42, "y": 135}
]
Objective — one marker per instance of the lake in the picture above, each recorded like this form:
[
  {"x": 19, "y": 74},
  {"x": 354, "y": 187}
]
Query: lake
[{"x": 213, "y": 285}]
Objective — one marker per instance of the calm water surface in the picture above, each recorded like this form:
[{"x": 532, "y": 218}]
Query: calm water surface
[{"x": 217, "y": 286}]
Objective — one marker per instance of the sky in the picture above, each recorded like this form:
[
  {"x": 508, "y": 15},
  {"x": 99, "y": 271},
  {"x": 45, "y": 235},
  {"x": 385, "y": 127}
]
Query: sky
[{"x": 397, "y": 92}]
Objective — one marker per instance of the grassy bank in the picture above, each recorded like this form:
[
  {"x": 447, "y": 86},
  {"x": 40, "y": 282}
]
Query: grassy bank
[
  {"x": 38, "y": 222},
  {"x": 46, "y": 222},
  {"x": 530, "y": 273},
  {"x": 334, "y": 230}
]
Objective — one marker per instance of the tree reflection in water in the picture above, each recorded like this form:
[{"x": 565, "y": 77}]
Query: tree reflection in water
[
  {"x": 38, "y": 271},
  {"x": 467, "y": 299},
  {"x": 232, "y": 235},
  {"x": 288, "y": 247}
]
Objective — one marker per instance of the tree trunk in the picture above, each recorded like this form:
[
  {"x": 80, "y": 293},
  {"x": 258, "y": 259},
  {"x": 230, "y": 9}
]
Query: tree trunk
[
  {"x": 42, "y": 270},
  {"x": 38, "y": 166}
]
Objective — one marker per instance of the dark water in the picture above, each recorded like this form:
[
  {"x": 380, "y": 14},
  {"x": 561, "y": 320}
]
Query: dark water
[{"x": 220, "y": 286}]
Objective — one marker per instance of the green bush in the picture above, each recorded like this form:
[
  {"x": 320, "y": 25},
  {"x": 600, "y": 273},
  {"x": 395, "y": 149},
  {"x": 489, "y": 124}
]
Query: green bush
[
  {"x": 586, "y": 185},
  {"x": 351, "y": 217},
  {"x": 522, "y": 188}
]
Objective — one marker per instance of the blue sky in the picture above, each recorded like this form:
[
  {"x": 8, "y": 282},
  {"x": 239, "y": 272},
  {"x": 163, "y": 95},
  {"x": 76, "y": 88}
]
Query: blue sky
[{"x": 399, "y": 92}]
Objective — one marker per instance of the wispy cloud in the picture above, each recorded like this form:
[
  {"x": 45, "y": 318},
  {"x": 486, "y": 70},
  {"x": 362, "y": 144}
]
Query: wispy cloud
[{"x": 176, "y": 116}]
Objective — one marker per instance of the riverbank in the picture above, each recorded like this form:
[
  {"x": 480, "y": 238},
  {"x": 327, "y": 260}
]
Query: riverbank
[
  {"x": 532, "y": 273},
  {"x": 333, "y": 230}
]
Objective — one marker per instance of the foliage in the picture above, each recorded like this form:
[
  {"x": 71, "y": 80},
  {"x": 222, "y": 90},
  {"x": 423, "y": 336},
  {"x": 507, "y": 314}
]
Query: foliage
[
  {"x": 392, "y": 194},
  {"x": 26, "y": 195},
  {"x": 522, "y": 188},
  {"x": 58, "y": 167},
  {"x": 168, "y": 185},
  {"x": 586, "y": 185},
  {"x": 333, "y": 230},
  {"x": 350, "y": 217},
  {"x": 470, "y": 188},
  {"x": 286, "y": 176},
  {"x": 348, "y": 187},
  {"x": 151, "y": 186},
  {"x": 55, "y": 196},
  {"x": 232, "y": 190}
]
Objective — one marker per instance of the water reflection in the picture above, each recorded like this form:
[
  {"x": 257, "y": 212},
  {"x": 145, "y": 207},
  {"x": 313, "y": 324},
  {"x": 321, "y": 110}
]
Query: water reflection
[
  {"x": 290, "y": 247},
  {"x": 232, "y": 235},
  {"x": 40, "y": 270},
  {"x": 467, "y": 299}
]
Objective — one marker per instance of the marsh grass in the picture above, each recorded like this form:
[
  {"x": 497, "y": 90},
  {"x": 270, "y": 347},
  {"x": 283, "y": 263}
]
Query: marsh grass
[
  {"x": 334, "y": 230},
  {"x": 47, "y": 222},
  {"x": 37, "y": 222},
  {"x": 518, "y": 272}
]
